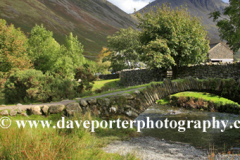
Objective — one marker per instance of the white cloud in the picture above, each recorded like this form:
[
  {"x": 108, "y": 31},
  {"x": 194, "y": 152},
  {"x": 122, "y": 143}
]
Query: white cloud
[{"x": 129, "y": 5}]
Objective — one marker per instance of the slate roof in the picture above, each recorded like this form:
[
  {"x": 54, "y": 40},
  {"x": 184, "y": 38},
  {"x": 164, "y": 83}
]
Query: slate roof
[{"x": 220, "y": 51}]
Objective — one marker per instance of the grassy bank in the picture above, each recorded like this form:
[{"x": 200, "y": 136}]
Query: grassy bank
[
  {"x": 199, "y": 95},
  {"x": 202, "y": 101},
  {"x": 207, "y": 97},
  {"x": 117, "y": 87},
  {"x": 77, "y": 143},
  {"x": 112, "y": 83}
]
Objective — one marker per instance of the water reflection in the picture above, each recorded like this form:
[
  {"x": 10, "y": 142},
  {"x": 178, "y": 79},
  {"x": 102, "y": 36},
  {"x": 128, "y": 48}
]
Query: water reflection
[{"x": 196, "y": 137}]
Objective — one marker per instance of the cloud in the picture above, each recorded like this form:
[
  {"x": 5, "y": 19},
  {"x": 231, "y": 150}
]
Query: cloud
[{"x": 129, "y": 5}]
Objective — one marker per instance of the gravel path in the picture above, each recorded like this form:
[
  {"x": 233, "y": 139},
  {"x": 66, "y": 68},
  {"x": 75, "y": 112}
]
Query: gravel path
[
  {"x": 149, "y": 148},
  {"x": 65, "y": 102}
]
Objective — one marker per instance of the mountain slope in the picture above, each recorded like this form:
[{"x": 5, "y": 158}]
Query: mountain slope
[
  {"x": 200, "y": 8},
  {"x": 90, "y": 20}
]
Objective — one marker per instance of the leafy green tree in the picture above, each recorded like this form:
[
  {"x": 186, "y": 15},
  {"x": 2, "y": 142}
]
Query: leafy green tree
[
  {"x": 172, "y": 38},
  {"x": 229, "y": 28},
  {"x": 75, "y": 50},
  {"x": 13, "y": 45},
  {"x": 64, "y": 64},
  {"x": 70, "y": 57},
  {"x": 124, "y": 46},
  {"x": 43, "y": 49}
]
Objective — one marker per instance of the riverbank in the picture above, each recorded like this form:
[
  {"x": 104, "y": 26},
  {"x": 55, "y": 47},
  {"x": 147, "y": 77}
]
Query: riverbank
[{"x": 149, "y": 148}]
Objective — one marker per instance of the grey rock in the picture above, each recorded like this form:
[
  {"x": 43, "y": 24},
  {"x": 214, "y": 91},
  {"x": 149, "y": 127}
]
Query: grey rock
[
  {"x": 107, "y": 102},
  {"x": 113, "y": 109},
  {"x": 104, "y": 102},
  {"x": 45, "y": 109},
  {"x": 73, "y": 108},
  {"x": 19, "y": 104},
  {"x": 92, "y": 101},
  {"x": 131, "y": 114},
  {"x": 13, "y": 113},
  {"x": 127, "y": 107},
  {"x": 24, "y": 114},
  {"x": 19, "y": 111},
  {"x": 93, "y": 107},
  {"x": 4, "y": 113},
  {"x": 83, "y": 103},
  {"x": 137, "y": 92},
  {"x": 36, "y": 110},
  {"x": 128, "y": 96},
  {"x": 54, "y": 109}
]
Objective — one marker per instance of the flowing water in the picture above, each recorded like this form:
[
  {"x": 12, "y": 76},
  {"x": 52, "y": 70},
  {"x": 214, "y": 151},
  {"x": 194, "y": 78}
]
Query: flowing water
[{"x": 222, "y": 141}]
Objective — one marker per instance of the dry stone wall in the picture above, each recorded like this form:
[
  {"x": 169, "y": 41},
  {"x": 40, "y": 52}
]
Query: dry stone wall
[
  {"x": 143, "y": 76},
  {"x": 129, "y": 106},
  {"x": 211, "y": 70},
  {"x": 109, "y": 76}
]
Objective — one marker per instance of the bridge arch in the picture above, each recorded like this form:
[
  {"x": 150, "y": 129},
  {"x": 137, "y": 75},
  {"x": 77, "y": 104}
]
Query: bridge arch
[
  {"x": 227, "y": 88},
  {"x": 132, "y": 105}
]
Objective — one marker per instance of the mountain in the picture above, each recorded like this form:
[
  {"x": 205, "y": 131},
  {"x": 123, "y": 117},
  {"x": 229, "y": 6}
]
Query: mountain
[
  {"x": 91, "y": 20},
  {"x": 200, "y": 8}
]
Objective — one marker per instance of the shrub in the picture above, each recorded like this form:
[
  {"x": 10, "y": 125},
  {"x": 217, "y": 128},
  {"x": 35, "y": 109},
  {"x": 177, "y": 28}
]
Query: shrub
[
  {"x": 34, "y": 86},
  {"x": 3, "y": 78},
  {"x": 85, "y": 77}
]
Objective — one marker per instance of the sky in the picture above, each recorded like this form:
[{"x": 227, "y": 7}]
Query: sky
[{"x": 129, "y": 5}]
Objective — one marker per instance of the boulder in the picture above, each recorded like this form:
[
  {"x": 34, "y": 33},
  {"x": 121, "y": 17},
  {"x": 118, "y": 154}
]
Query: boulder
[
  {"x": 104, "y": 102},
  {"x": 19, "y": 111},
  {"x": 113, "y": 109},
  {"x": 45, "y": 109},
  {"x": 83, "y": 103},
  {"x": 24, "y": 114},
  {"x": 128, "y": 96},
  {"x": 13, "y": 113},
  {"x": 36, "y": 110},
  {"x": 73, "y": 108},
  {"x": 4, "y": 113},
  {"x": 92, "y": 101},
  {"x": 136, "y": 92},
  {"x": 107, "y": 102},
  {"x": 130, "y": 113},
  {"x": 93, "y": 107},
  {"x": 54, "y": 109}
]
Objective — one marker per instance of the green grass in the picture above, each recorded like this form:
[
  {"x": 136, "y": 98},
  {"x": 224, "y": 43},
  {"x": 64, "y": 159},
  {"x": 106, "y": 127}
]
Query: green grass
[
  {"x": 206, "y": 96},
  {"x": 108, "y": 83},
  {"x": 200, "y": 95},
  {"x": 121, "y": 88},
  {"x": 49, "y": 143}
]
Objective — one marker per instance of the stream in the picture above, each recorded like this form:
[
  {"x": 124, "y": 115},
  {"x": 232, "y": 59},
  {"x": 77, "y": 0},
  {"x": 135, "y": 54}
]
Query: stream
[{"x": 213, "y": 138}]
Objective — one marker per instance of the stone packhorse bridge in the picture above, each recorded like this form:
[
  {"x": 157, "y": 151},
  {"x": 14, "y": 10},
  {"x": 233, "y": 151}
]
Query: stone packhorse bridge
[{"x": 130, "y": 105}]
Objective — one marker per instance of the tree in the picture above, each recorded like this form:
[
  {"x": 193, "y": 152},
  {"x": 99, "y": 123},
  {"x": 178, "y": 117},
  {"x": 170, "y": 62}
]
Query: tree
[
  {"x": 172, "y": 38},
  {"x": 69, "y": 58},
  {"x": 13, "y": 45},
  {"x": 43, "y": 48},
  {"x": 229, "y": 28},
  {"x": 102, "y": 67},
  {"x": 124, "y": 46},
  {"x": 75, "y": 50}
]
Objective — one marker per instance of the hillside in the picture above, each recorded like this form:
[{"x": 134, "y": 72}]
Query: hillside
[
  {"x": 200, "y": 8},
  {"x": 90, "y": 20}
]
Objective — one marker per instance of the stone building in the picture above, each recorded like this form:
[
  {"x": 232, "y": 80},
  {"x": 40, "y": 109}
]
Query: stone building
[{"x": 220, "y": 52}]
